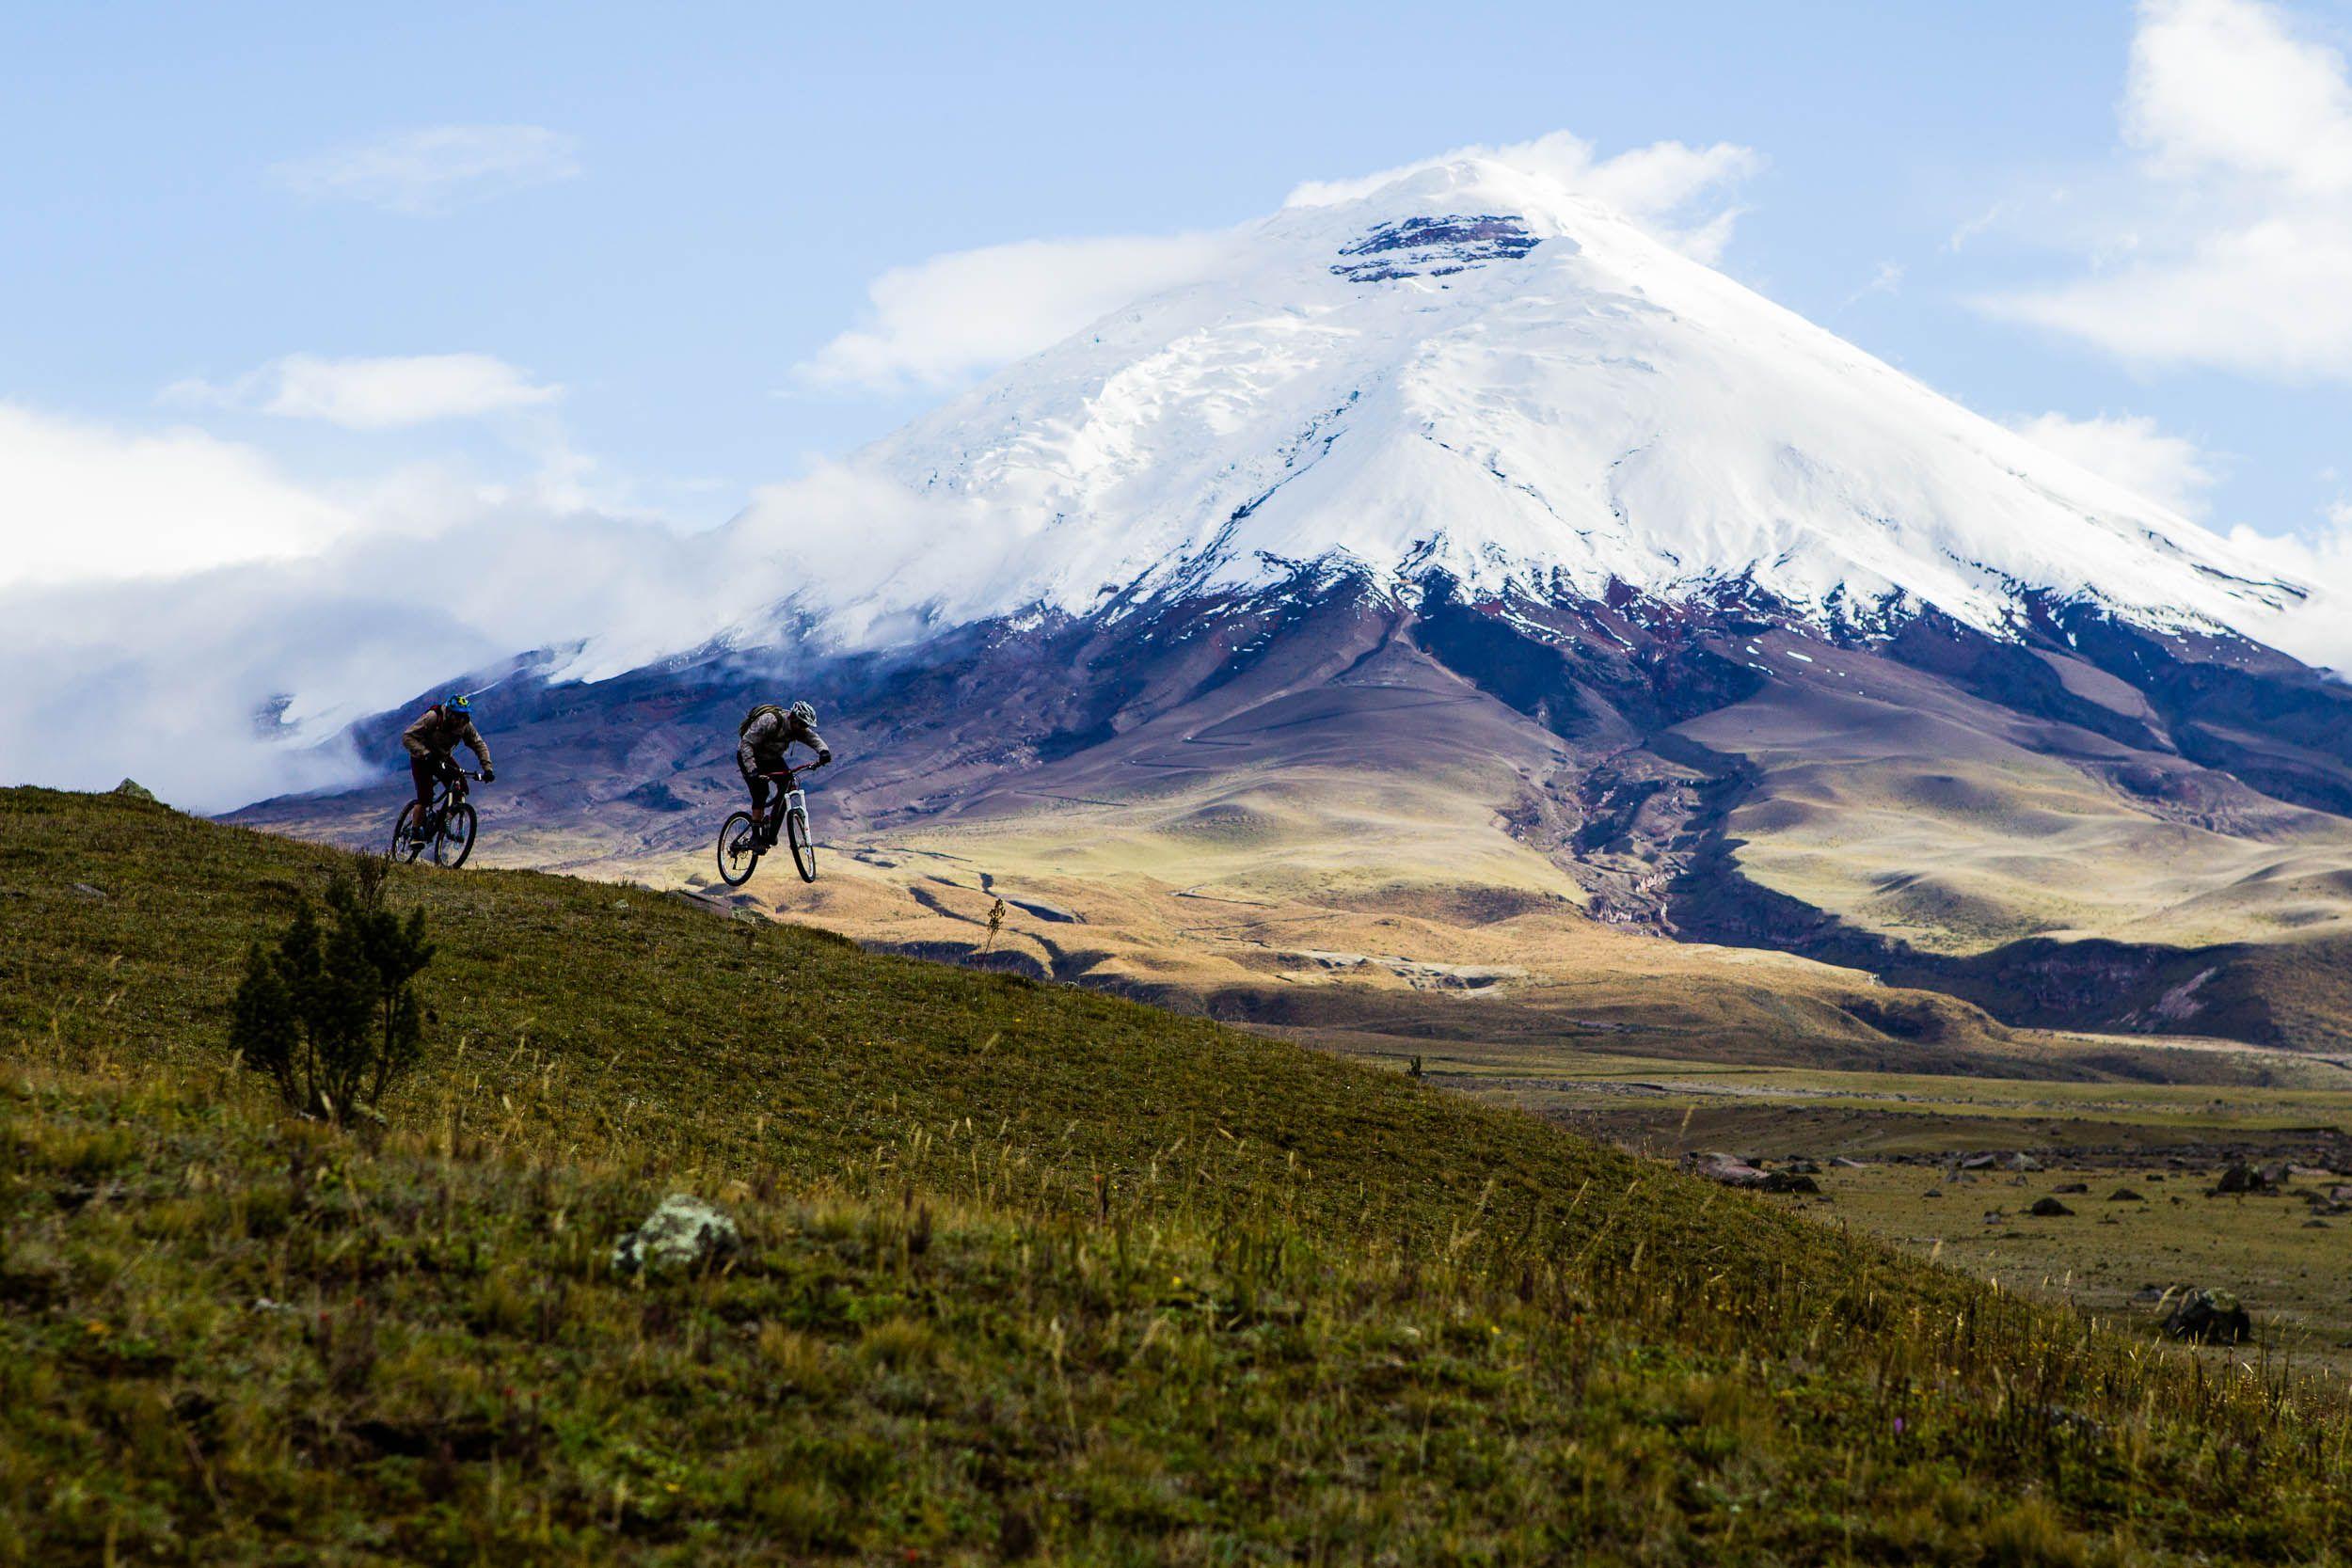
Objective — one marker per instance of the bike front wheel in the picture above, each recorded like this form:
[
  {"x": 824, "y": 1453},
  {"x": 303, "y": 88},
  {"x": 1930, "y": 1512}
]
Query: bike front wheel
[
  {"x": 403, "y": 847},
  {"x": 804, "y": 848},
  {"x": 739, "y": 850},
  {"x": 456, "y": 840}
]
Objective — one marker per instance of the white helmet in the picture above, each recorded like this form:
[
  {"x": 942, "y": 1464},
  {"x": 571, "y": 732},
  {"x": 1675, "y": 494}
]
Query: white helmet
[{"x": 806, "y": 714}]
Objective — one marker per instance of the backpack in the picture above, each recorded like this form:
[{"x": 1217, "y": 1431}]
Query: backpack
[{"x": 753, "y": 718}]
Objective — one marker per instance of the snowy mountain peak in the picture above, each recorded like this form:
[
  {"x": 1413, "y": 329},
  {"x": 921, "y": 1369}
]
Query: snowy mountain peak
[{"x": 1476, "y": 371}]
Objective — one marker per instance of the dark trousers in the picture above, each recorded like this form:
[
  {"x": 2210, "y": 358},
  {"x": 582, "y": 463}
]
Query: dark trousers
[
  {"x": 427, "y": 772},
  {"x": 762, "y": 788}
]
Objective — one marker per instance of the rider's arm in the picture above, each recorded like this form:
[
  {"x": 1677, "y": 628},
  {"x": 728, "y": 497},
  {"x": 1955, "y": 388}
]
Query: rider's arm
[{"x": 472, "y": 740}]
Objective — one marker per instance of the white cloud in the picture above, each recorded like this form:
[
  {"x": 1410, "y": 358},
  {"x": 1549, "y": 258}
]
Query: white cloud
[
  {"x": 2236, "y": 243},
  {"x": 176, "y": 609},
  {"x": 938, "y": 322},
  {"x": 436, "y": 168},
  {"x": 85, "y": 500},
  {"x": 377, "y": 393},
  {"x": 167, "y": 679},
  {"x": 2319, "y": 632},
  {"x": 2131, "y": 451},
  {"x": 1674, "y": 190}
]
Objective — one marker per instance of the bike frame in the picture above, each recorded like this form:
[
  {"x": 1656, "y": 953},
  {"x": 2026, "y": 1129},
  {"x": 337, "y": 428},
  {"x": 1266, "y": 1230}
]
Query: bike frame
[
  {"x": 790, "y": 797},
  {"x": 450, "y": 792}
]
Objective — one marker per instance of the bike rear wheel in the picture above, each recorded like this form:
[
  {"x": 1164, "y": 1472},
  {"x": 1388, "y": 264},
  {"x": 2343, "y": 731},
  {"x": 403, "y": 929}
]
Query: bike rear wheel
[
  {"x": 804, "y": 848},
  {"x": 739, "y": 850},
  {"x": 456, "y": 840},
  {"x": 404, "y": 848}
]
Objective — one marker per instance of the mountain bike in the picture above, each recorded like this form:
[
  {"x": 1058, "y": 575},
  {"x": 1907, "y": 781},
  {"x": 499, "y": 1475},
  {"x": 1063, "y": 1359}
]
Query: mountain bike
[
  {"x": 449, "y": 825},
  {"x": 742, "y": 841}
]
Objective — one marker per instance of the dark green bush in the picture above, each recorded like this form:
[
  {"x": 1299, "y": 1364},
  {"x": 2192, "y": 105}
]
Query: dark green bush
[{"x": 331, "y": 1015}]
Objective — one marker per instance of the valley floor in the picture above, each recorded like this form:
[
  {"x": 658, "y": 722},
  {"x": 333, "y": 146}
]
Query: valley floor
[{"x": 1889, "y": 1147}]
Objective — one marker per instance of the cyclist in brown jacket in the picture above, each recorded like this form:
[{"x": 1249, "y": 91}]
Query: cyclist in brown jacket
[{"x": 433, "y": 740}]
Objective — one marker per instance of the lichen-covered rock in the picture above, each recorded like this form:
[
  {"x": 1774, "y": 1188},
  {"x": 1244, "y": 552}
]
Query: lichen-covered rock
[
  {"x": 682, "y": 1235},
  {"x": 134, "y": 790},
  {"x": 2208, "y": 1316}
]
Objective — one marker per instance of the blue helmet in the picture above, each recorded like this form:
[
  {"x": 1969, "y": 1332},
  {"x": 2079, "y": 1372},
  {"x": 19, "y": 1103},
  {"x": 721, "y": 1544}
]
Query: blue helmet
[{"x": 459, "y": 703}]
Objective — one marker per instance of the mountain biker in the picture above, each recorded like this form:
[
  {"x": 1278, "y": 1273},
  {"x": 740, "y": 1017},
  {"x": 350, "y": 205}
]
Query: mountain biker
[
  {"x": 767, "y": 733},
  {"x": 430, "y": 743}
]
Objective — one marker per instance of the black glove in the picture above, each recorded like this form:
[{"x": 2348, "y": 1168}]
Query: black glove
[
  {"x": 487, "y": 774},
  {"x": 823, "y": 757}
]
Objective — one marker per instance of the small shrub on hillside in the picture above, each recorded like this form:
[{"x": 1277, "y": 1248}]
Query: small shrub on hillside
[{"x": 331, "y": 1013}]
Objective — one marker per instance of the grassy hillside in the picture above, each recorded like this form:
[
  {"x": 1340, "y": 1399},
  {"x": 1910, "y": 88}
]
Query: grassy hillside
[{"x": 1029, "y": 1272}]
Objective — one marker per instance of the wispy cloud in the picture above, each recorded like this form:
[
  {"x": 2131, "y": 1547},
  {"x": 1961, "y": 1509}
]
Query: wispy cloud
[
  {"x": 1888, "y": 279},
  {"x": 436, "y": 168},
  {"x": 2130, "y": 450},
  {"x": 941, "y": 321},
  {"x": 2235, "y": 243},
  {"x": 382, "y": 393}
]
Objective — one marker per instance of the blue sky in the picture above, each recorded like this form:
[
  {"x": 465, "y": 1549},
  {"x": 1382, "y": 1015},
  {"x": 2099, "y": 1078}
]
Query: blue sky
[
  {"x": 300, "y": 259},
  {"x": 739, "y": 174}
]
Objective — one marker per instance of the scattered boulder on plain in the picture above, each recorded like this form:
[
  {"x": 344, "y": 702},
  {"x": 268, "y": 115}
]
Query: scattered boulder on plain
[
  {"x": 2241, "y": 1179},
  {"x": 1728, "y": 1169},
  {"x": 2048, "y": 1208}
]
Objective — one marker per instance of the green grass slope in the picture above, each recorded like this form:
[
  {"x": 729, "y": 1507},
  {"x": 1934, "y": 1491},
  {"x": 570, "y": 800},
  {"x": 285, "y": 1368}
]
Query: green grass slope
[{"x": 1029, "y": 1273}]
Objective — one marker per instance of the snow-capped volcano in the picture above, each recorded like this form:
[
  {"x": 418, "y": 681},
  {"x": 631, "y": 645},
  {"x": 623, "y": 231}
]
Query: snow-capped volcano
[
  {"x": 1702, "y": 620},
  {"x": 1477, "y": 372}
]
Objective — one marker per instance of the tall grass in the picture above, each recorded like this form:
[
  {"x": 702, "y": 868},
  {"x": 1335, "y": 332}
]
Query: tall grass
[{"x": 1027, "y": 1273}]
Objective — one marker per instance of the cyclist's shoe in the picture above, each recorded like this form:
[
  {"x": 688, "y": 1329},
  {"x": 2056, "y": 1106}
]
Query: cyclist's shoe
[{"x": 417, "y": 836}]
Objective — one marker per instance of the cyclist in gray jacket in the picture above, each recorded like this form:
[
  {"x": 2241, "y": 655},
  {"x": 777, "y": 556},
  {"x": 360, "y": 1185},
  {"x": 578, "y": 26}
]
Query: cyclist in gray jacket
[{"x": 767, "y": 733}]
